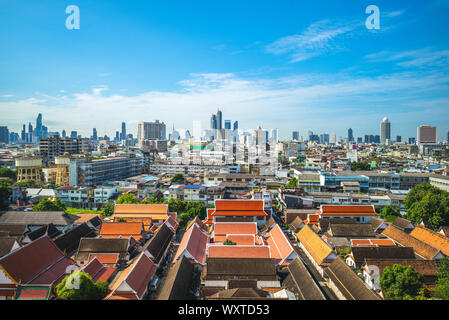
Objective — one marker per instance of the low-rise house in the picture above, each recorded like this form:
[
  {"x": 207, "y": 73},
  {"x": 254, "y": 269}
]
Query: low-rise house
[
  {"x": 110, "y": 252},
  {"x": 122, "y": 230},
  {"x": 148, "y": 214},
  {"x": 17, "y": 231},
  {"x": 324, "y": 223},
  {"x": 346, "y": 284},
  {"x": 159, "y": 244},
  {"x": 280, "y": 246},
  {"x": 227, "y": 273},
  {"x": 296, "y": 224},
  {"x": 357, "y": 256},
  {"x": 300, "y": 282},
  {"x": 238, "y": 211},
  {"x": 291, "y": 214},
  {"x": 362, "y": 214},
  {"x": 132, "y": 283},
  {"x": 93, "y": 220},
  {"x": 318, "y": 251},
  {"x": 69, "y": 241},
  {"x": 98, "y": 271},
  {"x": 403, "y": 224},
  {"x": 178, "y": 282},
  {"x": 373, "y": 269},
  {"x": 49, "y": 230},
  {"x": 7, "y": 245},
  {"x": 38, "y": 263},
  {"x": 193, "y": 245},
  {"x": 432, "y": 238},
  {"x": 378, "y": 224},
  {"x": 358, "y": 230},
  {"x": 422, "y": 249},
  {"x": 37, "y": 219}
]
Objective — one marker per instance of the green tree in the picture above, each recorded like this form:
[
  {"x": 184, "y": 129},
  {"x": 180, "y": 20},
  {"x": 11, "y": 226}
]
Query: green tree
[
  {"x": 228, "y": 242},
  {"x": 48, "y": 205},
  {"x": 107, "y": 210},
  {"x": 5, "y": 193},
  {"x": 127, "y": 198},
  {"x": 29, "y": 184},
  {"x": 360, "y": 166},
  {"x": 400, "y": 282},
  {"x": 8, "y": 173},
  {"x": 390, "y": 213},
  {"x": 177, "y": 178},
  {"x": 79, "y": 286},
  {"x": 292, "y": 183},
  {"x": 442, "y": 284}
]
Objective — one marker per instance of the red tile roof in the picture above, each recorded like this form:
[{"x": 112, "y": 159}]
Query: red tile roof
[
  {"x": 239, "y": 205},
  {"x": 234, "y": 251},
  {"x": 98, "y": 271},
  {"x": 123, "y": 229},
  {"x": 347, "y": 210},
  {"x": 372, "y": 243},
  {"x": 39, "y": 262},
  {"x": 242, "y": 240},
  {"x": 222, "y": 229},
  {"x": 193, "y": 245},
  {"x": 280, "y": 245},
  {"x": 141, "y": 209},
  {"x": 105, "y": 258}
]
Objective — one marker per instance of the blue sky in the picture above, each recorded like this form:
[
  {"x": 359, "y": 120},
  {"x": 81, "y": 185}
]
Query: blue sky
[{"x": 292, "y": 65}]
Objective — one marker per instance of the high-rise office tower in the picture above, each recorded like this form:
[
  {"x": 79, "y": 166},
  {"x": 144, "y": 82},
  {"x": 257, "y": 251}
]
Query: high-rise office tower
[
  {"x": 39, "y": 122},
  {"x": 398, "y": 139},
  {"x": 448, "y": 136},
  {"x": 213, "y": 121},
  {"x": 219, "y": 119},
  {"x": 385, "y": 130},
  {"x": 73, "y": 134},
  {"x": 275, "y": 135},
  {"x": 94, "y": 134},
  {"x": 324, "y": 138},
  {"x": 23, "y": 134},
  {"x": 151, "y": 131},
  {"x": 236, "y": 125},
  {"x": 117, "y": 136},
  {"x": 228, "y": 124},
  {"x": 123, "y": 133},
  {"x": 295, "y": 135},
  {"x": 4, "y": 134},
  {"x": 427, "y": 134},
  {"x": 411, "y": 140},
  {"x": 350, "y": 135},
  {"x": 64, "y": 134}
]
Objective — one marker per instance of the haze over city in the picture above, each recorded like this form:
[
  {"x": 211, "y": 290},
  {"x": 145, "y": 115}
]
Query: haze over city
[{"x": 295, "y": 67}]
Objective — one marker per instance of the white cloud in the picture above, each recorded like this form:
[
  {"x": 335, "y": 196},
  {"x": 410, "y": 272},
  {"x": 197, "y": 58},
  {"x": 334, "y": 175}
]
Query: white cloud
[
  {"x": 422, "y": 58},
  {"x": 99, "y": 89},
  {"x": 6, "y": 96}
]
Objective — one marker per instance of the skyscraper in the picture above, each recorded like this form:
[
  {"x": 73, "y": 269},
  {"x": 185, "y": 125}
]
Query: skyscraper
[
  {"x": 73, "y": 134},
  {"x": 151, "y": 131},
  {"x": 39, "y": 122},
  {"x": 123, "y": 134},
  {"x": 398, "y": 139},
  {"x": 427, "y": 134},
  {"x": 385, "y": 130},
  {"x": 228, "y": 124},
  {"x": 94, "y": 134},
  {"x": 350, "y": 135},
  {"x": 4, "y": 134},
  {"x": 219, "y": 119},
  {"x": 295, "y": 135},
  {"x": 64, "y": 134},
  {"x": 236, "y": 125},
  {"x": 275, "y": 135},
  {"x": 23, "y": 134},
  {"x": 213, "y": 121}
]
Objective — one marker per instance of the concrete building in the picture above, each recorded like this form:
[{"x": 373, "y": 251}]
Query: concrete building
[
  {"x": 441, "y": 182},
  {"x": 29, "y": 168},
  {"x": 385, "y": 130},
  {"x": 54, "y": 146},
  {"x": 426, "y": 134}
]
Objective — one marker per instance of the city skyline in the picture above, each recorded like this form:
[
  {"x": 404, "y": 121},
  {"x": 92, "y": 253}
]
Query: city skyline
[{"x": 297, "y": 67}]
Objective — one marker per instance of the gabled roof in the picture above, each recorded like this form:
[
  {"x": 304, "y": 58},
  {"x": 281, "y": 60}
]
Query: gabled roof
[
  {"x": 158, "y": 244},
  {"x": 234, "y": 251},
  {"x": 397, "y": 253},
  {"x": 200, "y": 224},
  {"x": 157, "y": 209},
  {"x": 435, "y": 239},
  {"x": 69, "y": 241},
  {"x": 6, "y": 245},
  {"x": 270, "y": 222},
  {"x": 172, "y": 224},
  {"x": 424, "y": 267},
  {"x": 402, "y": 223},
  {"x": 326, "y": 221},
  {"x": 239, "y": 208},
  {"x": 351, "y": 230},
  {"x": 193, "y": 245},
  {"x": 121, "y": 229},
  {"x": 14, "y": 230},
  {"x": 33, "y": 292},
  {"x": 377, "y": 223},
  {"x": 178, "y": 281},
  {"x": 300, "y": 282},
  {"x": 372, "y": 243},
  {"x": 222, "y": 229},
  {"x": 98, "y": 271},
  {"x": 296, "y": 224},
  {"x": 420, "y": 248},
  {"x": 95, "y": 219},
  {"x": 316, "y": 247},
  {"x": 135, "y": 277},
  {"x": 280, "y": 245},
  {"x": 59, "y": 218},
  {"x": 347, "y": 210},
  {"x": 89, "y": 246},
  {"x": 40, "y": 262},
  {"x": 49, "y": 230},
  {"x": 348, "y": 283},
  {"x": 241, "y": 268}
]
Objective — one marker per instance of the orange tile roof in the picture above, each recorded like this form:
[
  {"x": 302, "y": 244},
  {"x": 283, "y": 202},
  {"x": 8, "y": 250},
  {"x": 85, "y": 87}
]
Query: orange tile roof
[
  {"x": 421, "y": 248},
  {"x": 347, "y": 210},
  {"x": 209, "y": 219},
  {"x": 193, "y": 245},
  {"x": 239, "y": 205},
  {"x": 226, "y": 228},
  {"x": 123, "y": 229},
  {"x": 86, "y": 217},
  {"x": 434, "y": 239},
  {"x": 33, "y": 294},
  {"x": 279, "y": 244},
  {"x": 105, "y": 258},
  {"x": 141, "y": 208},
  {"x": 220, "y": 251},
  {"x": 312, "y": 219},
  {"x": 242, "y": 240},
  {"x": 254, "y": 213},
  {"x": 372, "y": 243},
  {"x": 316, "y": 247}
]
